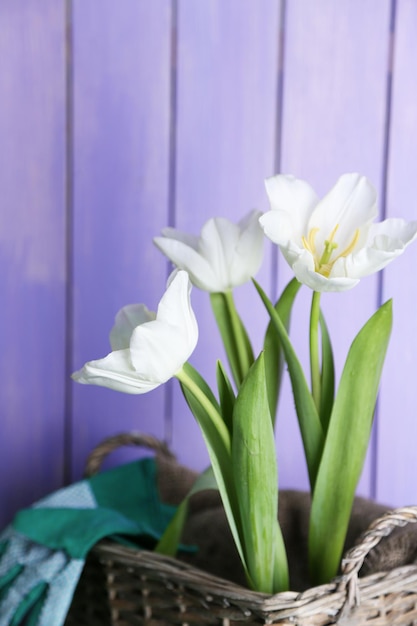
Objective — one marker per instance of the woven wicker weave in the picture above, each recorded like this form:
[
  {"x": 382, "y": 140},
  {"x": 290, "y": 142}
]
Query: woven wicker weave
[{"x": 121, "y": 586}]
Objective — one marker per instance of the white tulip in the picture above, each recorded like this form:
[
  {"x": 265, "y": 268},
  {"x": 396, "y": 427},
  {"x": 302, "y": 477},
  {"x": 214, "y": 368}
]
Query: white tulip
[
  {"x": 332, "y": 243},
  {"x": 224, "y": 256},
  {"x": 149, "y": 349}
]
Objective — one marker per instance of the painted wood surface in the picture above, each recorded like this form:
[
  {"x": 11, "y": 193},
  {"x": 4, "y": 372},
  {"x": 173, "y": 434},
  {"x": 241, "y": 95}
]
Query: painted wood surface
[
  {"x": 397, "y": 426},
  {"x": 117, "y": 119},
  {"x": 121, "y": 86},
  {"x": 32, "y": 250}
]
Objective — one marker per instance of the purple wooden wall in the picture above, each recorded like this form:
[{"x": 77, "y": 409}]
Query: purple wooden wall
[{"x": 117, "y": 119}]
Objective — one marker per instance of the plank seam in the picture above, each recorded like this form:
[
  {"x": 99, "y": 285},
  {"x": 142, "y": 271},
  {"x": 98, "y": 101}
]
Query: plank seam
[
  {"x": 383, "y": 215},
  {"x": 278, "y": 130},
  {"x": 172, "y": 174},
  {"x": 69, "y": 243}
]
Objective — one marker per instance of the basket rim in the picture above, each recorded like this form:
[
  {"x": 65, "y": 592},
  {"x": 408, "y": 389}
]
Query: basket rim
[{"x": 331, "y": 597}]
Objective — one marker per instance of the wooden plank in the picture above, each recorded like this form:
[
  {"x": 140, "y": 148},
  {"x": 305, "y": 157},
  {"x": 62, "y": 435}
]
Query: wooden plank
[
  {"x": 397, "y": 432},
  {"x": 333, "y": 122},
  {"x": 32, "y": 250},
  {"x": 226, "y": 142},
  {"x": 121, "y": 173}
]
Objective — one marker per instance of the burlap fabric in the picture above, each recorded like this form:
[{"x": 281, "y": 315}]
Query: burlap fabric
[{"x": 207, "y": 528}]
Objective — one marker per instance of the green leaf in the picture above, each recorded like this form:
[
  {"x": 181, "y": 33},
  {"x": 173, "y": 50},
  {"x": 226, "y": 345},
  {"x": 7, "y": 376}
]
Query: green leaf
[
  {"x": 274, "y": 357},
  {"x": 327, "y": 375},
  {"x": 256, "y": 480},
  {"x": 308, "y": 418},
  {"x": 346, "y": 445},
  {"x": 281, "y": 573},
  {"x": 218, "y": 444},
  {"x": 226, "y": 396},
  {"x": 192, "y": 373},
  {"x": 168, "y": 544},
  {"x": 233, "y": 333}
]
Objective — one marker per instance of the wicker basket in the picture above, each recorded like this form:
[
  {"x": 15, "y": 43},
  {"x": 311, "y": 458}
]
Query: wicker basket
[{"x": 121, "y": 586}]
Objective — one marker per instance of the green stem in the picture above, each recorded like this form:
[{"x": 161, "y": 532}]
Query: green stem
[
  {"x": 308, "y": 418},
  {"x": 218, "y": 441},
  {"x": 314, "y": 349},
  {"x": 233, "y": 333},
  {"x": 207, "y": 405},
  {"x": 240, "y": 339}
]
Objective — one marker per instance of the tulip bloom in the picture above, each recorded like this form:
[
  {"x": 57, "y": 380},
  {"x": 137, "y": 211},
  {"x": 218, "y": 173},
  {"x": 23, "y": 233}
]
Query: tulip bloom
[
  {"x": 332, "y": 243},
  {"x": 151, "y": 352},
  {"x": 224, "y": 256}
]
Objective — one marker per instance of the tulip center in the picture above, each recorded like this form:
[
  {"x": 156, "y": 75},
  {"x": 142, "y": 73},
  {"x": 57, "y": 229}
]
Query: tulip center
[{"x": 323, "y": 263}]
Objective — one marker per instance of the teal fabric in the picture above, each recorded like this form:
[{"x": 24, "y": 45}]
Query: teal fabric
[
  {"x": 138, "y": 500},
  {"x": 74, "y": 530},
  {"x": 127, "y": 503},
  {"x": 42, "y": 553}
]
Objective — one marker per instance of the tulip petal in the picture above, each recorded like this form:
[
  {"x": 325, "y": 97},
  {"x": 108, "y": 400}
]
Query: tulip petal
[
  {"x": 294, "y": 197},
  {"x": 388, "y": 240},
  {"x": 175, "y": 305},
  {"x": 218, "y": 242},
  {"x": 278, "y": 227},
  {"x": 114, "y": 371},
  {"x": 126, "y": 320},
  {"x": 393, "y": 233},
  {"x": 350, "y": 204},
  {"x": 157, "y": 351},
  {"x": 173, "y": 233},
  {"x": 248, "y": 250},
  {"x": 187, "y": 258},
  {"x": 292, "y": 202}
]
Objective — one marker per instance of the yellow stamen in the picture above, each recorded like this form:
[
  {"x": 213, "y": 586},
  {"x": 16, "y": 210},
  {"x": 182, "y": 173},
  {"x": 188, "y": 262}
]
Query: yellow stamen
[
  {"x": 309, "y": 242},
  {"x": 333, "y": 233},
  {"x": 350, "y": 247},
  {"x": 324, "y": 264}
]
